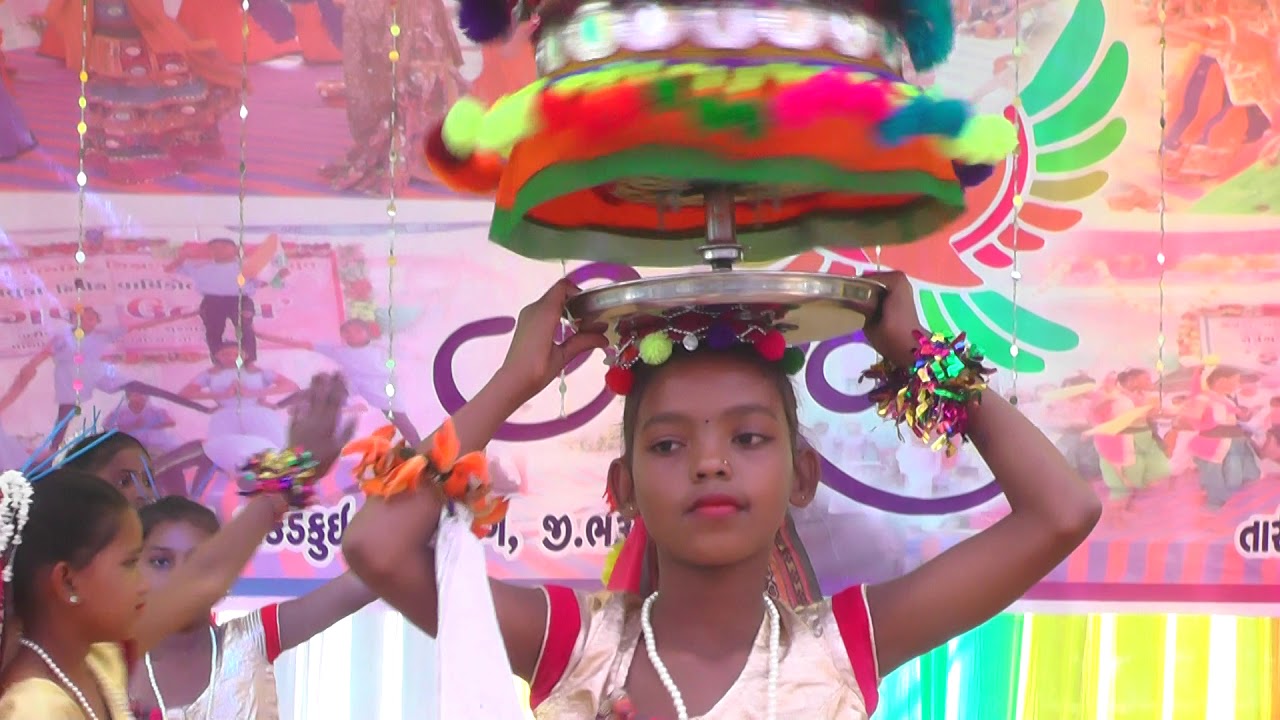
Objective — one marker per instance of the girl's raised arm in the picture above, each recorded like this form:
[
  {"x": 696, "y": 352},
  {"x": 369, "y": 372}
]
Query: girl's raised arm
[
  {"x": 1054, "y": 510},
  {"x": 388, "y": 543},
  {"x": 303, "y": 618},
  {"x": 214, "y": 566}
]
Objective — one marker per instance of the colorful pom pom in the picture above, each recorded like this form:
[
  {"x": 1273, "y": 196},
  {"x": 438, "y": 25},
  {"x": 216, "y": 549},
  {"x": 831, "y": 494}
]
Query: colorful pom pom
[
  {"x": 655, "y": 348},
  {"x": 924, "y": 116},
  {"x": 972, "y": 175},
  {"x": 792, "y": 360},
  {"x": 928, "y": 27},
  {"x": 461, "y": 127},
  {"x": 484, "y": 20},
  {"x": 771, "y": 346},
  {"x": 985, "y": 139},
  {"x": 477, "y": 173},
  {"x": 721, "y": 336},
  {"x": 619, "y": 380},
  {"x": 511, "y": 119}
]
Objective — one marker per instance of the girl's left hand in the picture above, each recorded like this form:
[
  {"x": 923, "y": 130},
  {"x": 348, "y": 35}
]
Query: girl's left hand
[
  {"x": 892, "y": 333},
  {"x": 314, "y": 421}
]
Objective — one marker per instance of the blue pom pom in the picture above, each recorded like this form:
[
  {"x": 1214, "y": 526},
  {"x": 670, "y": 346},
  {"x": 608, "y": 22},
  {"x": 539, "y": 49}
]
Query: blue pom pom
[
  {"x": 928, "y": 27},
  {"x": 925, "y": 116}
]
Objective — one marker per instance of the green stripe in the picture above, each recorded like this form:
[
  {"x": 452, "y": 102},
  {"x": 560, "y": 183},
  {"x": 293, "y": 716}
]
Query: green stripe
[
  {"x": 993, "y": 346},
  {"x": 1033, "y": 330},
  {"x": 1092, "y": 104},
  {"x": 939, "y": 203},
  {"x": 1089, "y": 151},
  {"x": 1068, "y": 60}
]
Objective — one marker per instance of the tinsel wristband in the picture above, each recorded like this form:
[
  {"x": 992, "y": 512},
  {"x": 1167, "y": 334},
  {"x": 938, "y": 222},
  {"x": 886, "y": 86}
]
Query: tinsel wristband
[
  {"x": 932, "y": 396},
  {"x": 290, "y": 474}
]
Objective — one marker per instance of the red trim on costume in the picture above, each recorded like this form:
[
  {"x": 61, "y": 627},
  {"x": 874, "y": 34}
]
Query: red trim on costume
[
  {"x": 129, "y": 649},
  {"x": 849, "y": 607},
  {"x": 270, "y": 616},
  {"x": 564, "y": 623}
]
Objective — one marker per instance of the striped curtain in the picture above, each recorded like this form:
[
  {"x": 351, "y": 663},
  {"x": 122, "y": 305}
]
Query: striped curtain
[
  {"x": 1016, "y": 667},
  {"x": 1103, "y": 667}
]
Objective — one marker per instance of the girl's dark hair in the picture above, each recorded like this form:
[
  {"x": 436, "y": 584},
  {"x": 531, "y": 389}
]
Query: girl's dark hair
[
  {"x": 1222, "y": 372},
  {"x": 73, "y": 516},
  {"x": 103, "y": 447},
  {"x": 643, "y": 375},
  {"x": 175, "y": 508}
]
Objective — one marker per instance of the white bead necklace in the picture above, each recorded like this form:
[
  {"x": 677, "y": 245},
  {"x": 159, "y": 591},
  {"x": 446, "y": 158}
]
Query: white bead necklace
[
  {"x": 211, "y": 688},
  {"x": 775, "y": 633},
  {"x": 62, "y": 677}
]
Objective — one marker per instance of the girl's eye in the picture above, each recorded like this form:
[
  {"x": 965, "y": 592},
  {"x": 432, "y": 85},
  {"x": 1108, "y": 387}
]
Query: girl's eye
[
  {"x": 664, "y": 447},
  {"x": 750, "y": 439},
  {"x": 159, "y": 563}
]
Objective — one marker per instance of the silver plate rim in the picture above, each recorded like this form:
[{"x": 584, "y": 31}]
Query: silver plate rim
[{"x": 608, "y": 304}]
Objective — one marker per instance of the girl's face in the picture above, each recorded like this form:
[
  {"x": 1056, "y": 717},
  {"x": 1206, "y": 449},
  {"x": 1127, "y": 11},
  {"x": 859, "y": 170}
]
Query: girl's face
[
  {"x": 713, "y": 468},
  {"x": 127, "y": 470},
  {"x": 169, "y": 545},
  {"x": 110, "y": 592}
]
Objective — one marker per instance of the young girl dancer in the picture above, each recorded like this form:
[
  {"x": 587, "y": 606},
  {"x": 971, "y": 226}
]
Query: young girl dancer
[
  {"x": 119, "y": 459},
  {"x": 72, "y": 545},
  {"x": 711, "y": 462},
  {"x": 209, "y": 671}
]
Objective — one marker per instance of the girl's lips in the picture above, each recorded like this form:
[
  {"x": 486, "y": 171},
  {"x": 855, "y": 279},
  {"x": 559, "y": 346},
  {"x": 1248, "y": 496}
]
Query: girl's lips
[{"x": 716, "y": 506}]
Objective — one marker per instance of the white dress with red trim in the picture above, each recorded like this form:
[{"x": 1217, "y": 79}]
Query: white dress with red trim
[
  {"x": 827, "y": 668},
  {"x": 245, "y": 682}
]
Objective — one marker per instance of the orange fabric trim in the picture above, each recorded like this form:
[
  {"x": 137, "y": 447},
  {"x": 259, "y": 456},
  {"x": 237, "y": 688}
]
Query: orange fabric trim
[{"x": 857, "y": 150}]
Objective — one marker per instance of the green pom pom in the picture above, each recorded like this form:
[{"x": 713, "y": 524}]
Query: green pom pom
[
  {"x": 985, "y": 140},
  {"x": 792, "y": 360},
  {"x": 462, "y": 127},
  {"x": 655, "y": 348}
]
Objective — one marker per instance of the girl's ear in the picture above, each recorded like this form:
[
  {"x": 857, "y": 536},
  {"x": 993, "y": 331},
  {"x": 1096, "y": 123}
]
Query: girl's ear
[
  {"x": 621, "y": 489},
  {"x": 62, "y": 579},
  {"x": 808, "y": 472}
]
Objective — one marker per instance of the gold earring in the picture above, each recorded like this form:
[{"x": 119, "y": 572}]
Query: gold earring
[{"x": 74, "y": 599}]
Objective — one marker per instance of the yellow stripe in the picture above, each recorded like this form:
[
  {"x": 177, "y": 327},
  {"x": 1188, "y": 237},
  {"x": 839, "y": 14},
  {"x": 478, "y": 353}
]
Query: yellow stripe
[
  {"x": 1255, "y": 669},
  {"x": 1140, "y": 658},
  {"x": 1062, "y": 671},
  {"x": 1191, "y": 673}
]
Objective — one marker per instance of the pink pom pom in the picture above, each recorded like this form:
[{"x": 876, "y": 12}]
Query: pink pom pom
[{"x": 828, "y": 94}]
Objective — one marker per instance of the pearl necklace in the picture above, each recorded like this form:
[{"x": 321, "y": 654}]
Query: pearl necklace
[
  {"x": 775, "y": 632},
  {"x": 211, "y": 688},
  {"x": 62, "y": 677}
]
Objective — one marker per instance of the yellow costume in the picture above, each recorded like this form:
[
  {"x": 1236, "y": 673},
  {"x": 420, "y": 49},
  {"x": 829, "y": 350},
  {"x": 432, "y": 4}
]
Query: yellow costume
[{"x": 48, "y": 700}]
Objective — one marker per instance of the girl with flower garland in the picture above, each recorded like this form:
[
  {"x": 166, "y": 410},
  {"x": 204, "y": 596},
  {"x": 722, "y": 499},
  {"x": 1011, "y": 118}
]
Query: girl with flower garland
[
  {"x": 711, "y": 462},
  {"x": 72, "y": 545}
]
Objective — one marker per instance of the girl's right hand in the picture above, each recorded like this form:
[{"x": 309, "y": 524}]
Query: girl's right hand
[{"x": 535, "y": 358}]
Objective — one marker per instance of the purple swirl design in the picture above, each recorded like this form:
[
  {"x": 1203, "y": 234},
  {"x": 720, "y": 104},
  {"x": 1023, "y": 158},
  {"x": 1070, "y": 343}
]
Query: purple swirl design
[{"x": 451, "y": 397}]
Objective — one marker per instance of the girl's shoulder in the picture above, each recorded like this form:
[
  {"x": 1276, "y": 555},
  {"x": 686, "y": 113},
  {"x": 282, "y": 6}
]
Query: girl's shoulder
[{"x": 37, "y": 697}]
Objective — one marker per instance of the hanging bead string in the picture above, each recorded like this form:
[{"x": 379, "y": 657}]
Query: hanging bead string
[
  {"x": 1162, "y": 19},
  {"x": 82, "y": 184},
  {"x": 240, "y": 198},
  {"x": 1015, "y": 270},
  {"x": 564, "y": 386},
  {"x": 393, "y": 230}
]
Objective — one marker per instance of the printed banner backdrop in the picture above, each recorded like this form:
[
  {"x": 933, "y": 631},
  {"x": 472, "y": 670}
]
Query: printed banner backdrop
[{"x": 1149, "y": 348}]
